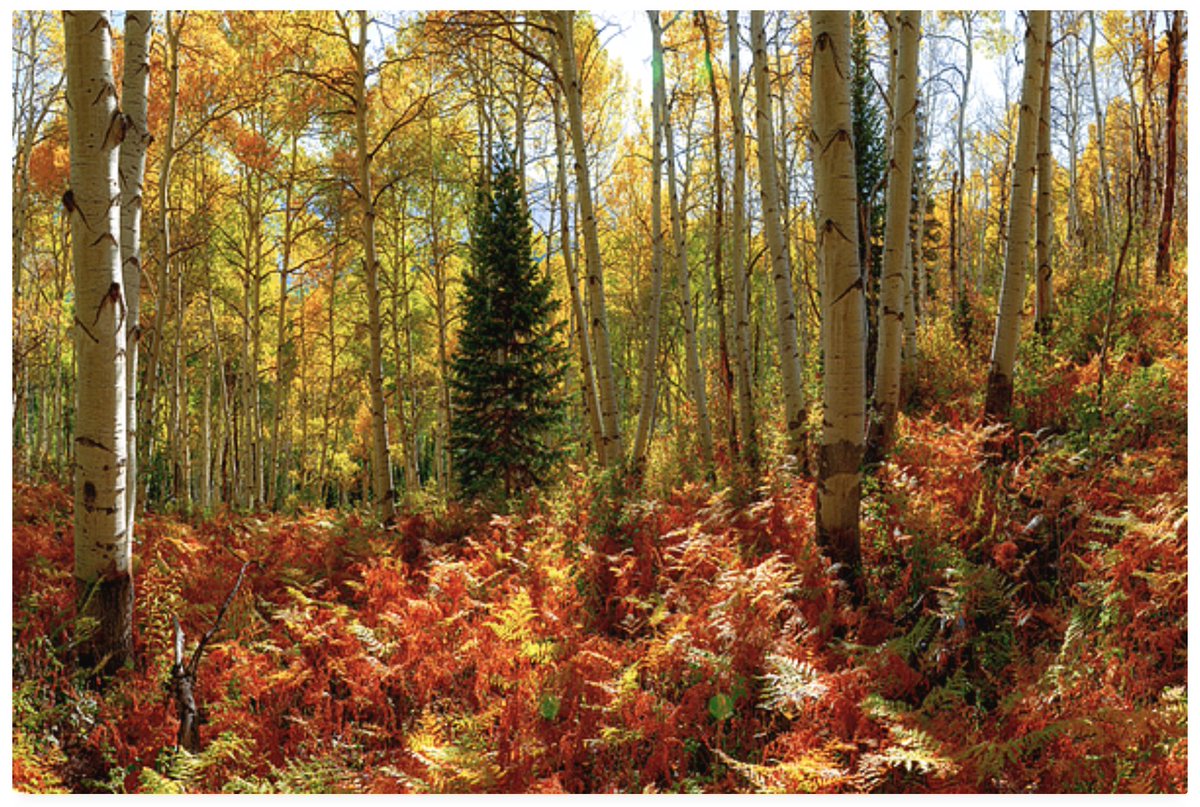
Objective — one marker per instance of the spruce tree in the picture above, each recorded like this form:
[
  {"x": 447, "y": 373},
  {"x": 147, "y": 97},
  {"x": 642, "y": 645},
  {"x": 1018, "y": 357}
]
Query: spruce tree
[{"x": 506, "y": 384}]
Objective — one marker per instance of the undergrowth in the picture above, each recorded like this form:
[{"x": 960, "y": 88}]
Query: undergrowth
[{"x": 1025, "y": 630}]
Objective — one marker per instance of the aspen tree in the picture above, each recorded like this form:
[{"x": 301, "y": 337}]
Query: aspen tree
[
  {"x": 1162, "y": 262},
  {"x": 649, "y": 386},
  {"x": 132, "y": 173},
  {"x": 785, "y": 305},
  {"x": 1043, "y": 275},
  {"x": 587, "y": 379},
  {"x": 897, "y": 267},
  {"x": 103, "y": 549},
  {"x": 737, "y": 255},
  {"x": 1012, "y": 294},
  {"x": 381, "y": 465},
  {"x": 695, "y": 374},
  {"x": 839, "y": 477},
  {"x": 606, "y": 385}
]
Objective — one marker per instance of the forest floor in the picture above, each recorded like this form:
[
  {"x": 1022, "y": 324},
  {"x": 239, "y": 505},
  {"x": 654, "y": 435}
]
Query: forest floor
[{"x": 1025, "y": 629}]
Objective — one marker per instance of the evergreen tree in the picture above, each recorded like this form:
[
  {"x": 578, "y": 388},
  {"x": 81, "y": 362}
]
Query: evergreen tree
[{"x": 507, "y": 377}]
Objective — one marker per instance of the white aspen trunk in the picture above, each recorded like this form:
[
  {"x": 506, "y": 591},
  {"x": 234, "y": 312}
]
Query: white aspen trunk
[
  {"x": 649, "y": 385},
  {"x": 606, "y": 385},
  {"x": 1044, "y": 288},
  {"x": 785, "y": 304},
  {"x": 737, "y": 256},
  {"x": 381, "y": 465},
  {"x": 843, "y": 312},
  {"x": 695, "y": 374},
  {"x": 103, "y": 550},
  {"x": 282, "y": 379},
  {"x": 1105, "y": 195},
  {"x": 162, "y": 276},
  {"x": 132, "y": 170},
  {"x": 587, "y": 379},
  {"x": 1012, "y": 294},
  {"x": 206, "y": 440},
  {"x": 896, "y": 278}
]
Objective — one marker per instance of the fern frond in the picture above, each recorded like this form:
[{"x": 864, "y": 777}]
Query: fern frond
[{"x": 788, "y": 684}]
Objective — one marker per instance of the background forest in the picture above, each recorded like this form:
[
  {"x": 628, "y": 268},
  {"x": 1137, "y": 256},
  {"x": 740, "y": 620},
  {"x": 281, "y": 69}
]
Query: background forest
[{"x": 842, "y": 368}]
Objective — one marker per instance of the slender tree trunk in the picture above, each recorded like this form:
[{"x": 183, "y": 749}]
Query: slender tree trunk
[
  {"x": 649, "y": 397},
  {"x": 381, "y": 465},
  {"x": 998, "y": 406},
  {"x": 605, "y": 377},
  {"x": 103, "y": 549},
  {"x": 587, "y": 381},
  {"x": 163, "y": 275},
  {"x": 957, "y": 236},
  {"x": 737, "y": 257},
  {"x": 896, "y": 267},
  {"x": 1044, "y": 276},
  {"x": 132, "y": 162},
  {"x": 1105, "y": 194},
  {"x": 695, "y": 373},
  {"x": 785, "y": 305},
  {"x": 1162, "y": 262},
  {"x": 718, "y": 242},
  {"x": 839, "y": 477}
]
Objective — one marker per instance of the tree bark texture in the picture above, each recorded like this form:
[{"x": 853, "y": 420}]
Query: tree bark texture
[
  {"x": 1044, "y": 276},
  {"x": 791, "y": 369},
  {"x": 897, "y": 268},
  {"x": 606, "y": 385},
  {"x": 843, "y": 313},
  {"x": 381, "y": 464},
  {"x": 1162, "y": 262},
  {"x": 649, "y": 385},
  {"x": 737, "y": 256},
  {"x": 103, "y": 551},
  {"x": 998, "y": 405},
  {"x": 132, "y": 171}
]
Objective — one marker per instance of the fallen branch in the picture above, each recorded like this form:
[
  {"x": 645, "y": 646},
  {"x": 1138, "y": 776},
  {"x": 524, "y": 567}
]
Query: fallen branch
[{"x": 183, "y": 677}]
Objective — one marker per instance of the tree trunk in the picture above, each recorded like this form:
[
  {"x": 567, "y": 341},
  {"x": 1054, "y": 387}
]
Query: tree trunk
[
  {"x": 1044, "y": 289},
  {"x": 132, "y": 168},
  {"x": 695, "y": 373},
  {"x": 1105, "y": 194},
  {"x": 381, "y": 465},
  {"x": 896, "y": 278},
  {"x": 737, "y": 257},
  {"x": 1162, "y": 262},
  {"x": 843, "y": 314},
  {"x": 998, "y": 406},
  {"x": 649, "y": 397},
  {"x": 163, "y": 275},
  {"x": 103, "y": 550},
  {"x": 605, "y": 377},
  {"x": 587, "y": 381},
  {"x": 718, "y": 243},
  {"x": 795, "y": 408}
]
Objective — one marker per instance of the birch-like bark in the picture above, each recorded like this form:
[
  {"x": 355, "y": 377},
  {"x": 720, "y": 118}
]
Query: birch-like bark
[
  {"x": 839, "y": 478},
  {"x": 1044, "y": 275},
  {"x": 649, "y": 385},
  {"x": 103, "y": 550},
  {"x": 1012, "y": 294},
  {"x": 381, "y": 464},
  {"x": 695, "y": 375},
  {"x": 795, "y": 409},
  {"x": 606, "y": 385},
  {"x": 737, "y": 256},
  {"x": 587, "y": 380},
  {"x": 132, "y": 170},
  {"x": 162, "y": 276},
  {"x": 896, "y": 278},
  {"x": 1162, "y": 261},
  {"x": 1101, "y": 151}
]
